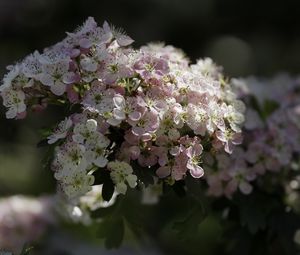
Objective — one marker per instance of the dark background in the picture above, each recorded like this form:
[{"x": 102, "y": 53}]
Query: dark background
[{"x": 245, "y": 36}]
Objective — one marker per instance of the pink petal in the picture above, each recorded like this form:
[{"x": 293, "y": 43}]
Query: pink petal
[
  {"x": 46, "y": 79},
  {"x": 245, "y": 187},
  {"x": 163, "y": 171},
  {"x": 58, "y": 88},
  {"x": 135, "y": 116},
  {"x": 124, "y": 40},
  {"x": 197, "y": 171}
]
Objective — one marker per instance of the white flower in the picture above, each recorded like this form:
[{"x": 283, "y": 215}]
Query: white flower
[
  {"x": 197, "y": 119},
  {"x": 96, "y": 150},
  {"x": 77, "y": 184},
  {"x": 121, "y": 174},
  {"x": 61, "y": 131},
  {"x": 56, "y": 76},
  {"x": 93, "y": 199},
  {"x": 84, "y": 131},
  {"x": 234, "y": 117},
  {"x": 70, "y": 158},
  {"x": 14, "y": 101},
  {"x": 101, "y": 99},
  {"x": 89, "y": 64},
  {"x": 120, "y": 107},
  {"x": 206, "y": 67}
]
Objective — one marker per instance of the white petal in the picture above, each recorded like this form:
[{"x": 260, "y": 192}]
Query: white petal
[
  {"x": 58, "y": 88},
  {"x": 69, "y": 78},
  {"x": 11, "y": 113},
  {"x": 119, "y": 114},
  {"x": 124, "y": 40},
  {"x": 131, "y": 180},
  {"x": 91, "y": 125},
  {"x": 46, "y": 79},
  {"x": 121, "y": 188},
  {"x": 119, "y": 101},
  {"x": 100, "y": 161}
]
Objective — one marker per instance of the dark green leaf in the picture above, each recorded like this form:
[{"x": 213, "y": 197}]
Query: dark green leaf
[
  {"x": 108, "y": 190},
  {"x": 188, "y": 227},
  {"x": 179, "y": 188},
  {"x": 144, "y": 174},
  {"x": 101, "y": 176},
  {"x": 42, "y": 143},
  {"x": 269, "y": 107},
  {"x": 103, "y": 212},
  {"x": 112, "y": 230},
  {"x": 26, "y": 249},
  {"x": 254, "y": 210}
]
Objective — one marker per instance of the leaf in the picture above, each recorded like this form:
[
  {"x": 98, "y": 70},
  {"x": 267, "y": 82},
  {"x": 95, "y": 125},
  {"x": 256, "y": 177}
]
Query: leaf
[
  {"x": 269, "y": 107},
  {"x": 49, "y": 156},
  {"x": 254, "y": 210},
  {"x": 26, "y": 249},
  {"x": 42, "y": 143},
  {"x": 265, "y": 109},
  {"x": 179, "y": 188},
  {"x": 143, "y": 173},
  {"x": 253, "y": 218},
  {"x": 188, "y": 227},
  {"x": 112, "y": 231},
  {"x": 108, "y": 190},
  {"x": 103, "y": 212},
  {"x": 102, "y": 176}
]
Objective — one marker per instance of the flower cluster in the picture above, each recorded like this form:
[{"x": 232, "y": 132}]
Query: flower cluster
[
  {"x": 146, "y": 108},
  {"x": 272, "y": 136},
  {"x": 23, "y": 220}
]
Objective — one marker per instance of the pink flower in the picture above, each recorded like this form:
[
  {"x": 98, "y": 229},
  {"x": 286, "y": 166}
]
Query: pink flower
[
  {"x": 230, "y": 139},
  {"x": 56, "y": 76},
  {"x": 149, "y": 67},
  {"x": 148, "y": 123},
  {"x": 193, "y": 154}
]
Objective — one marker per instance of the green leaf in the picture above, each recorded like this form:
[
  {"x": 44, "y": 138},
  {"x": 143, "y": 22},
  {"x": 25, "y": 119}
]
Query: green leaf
[
  {"x": 103, "y": 212},
  {"x": 188, "y": 227},
  {"x": 265, "y": 109},
  {"x": 254, "y": 210},
  {"x": 102, "y": 176},
  {"x": 42, "y": 143},
  {"x": 112, "y": 231},
  {"x": 144, "y": 174},
  {"x": 179, "y": 188},
  {"x": 26, "y": 249},
  {"x": 108, "y": 190},
  {"x": 253, "y": 218},
  {"x": 269, "y": 107}
]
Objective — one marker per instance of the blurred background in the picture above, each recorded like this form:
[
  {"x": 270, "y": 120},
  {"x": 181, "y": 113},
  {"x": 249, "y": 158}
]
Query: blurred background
[{"x": 245, "y": 36}]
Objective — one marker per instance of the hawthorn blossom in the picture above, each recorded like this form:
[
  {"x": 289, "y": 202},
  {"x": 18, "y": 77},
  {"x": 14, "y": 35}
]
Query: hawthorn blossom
[
  {"x": 121, "y": 174},
  {"x": 229, "y": 138},
  {"x": 77, "y": 184},
  {"x": 14, "y": 100},
  {"x": 56, "y": 76},
  {"x": 151, "y": 67},
  {"x": 193, "y": 154},
  {"x": 127, "y": 108},
  {"x": 61, "y": 131}
]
